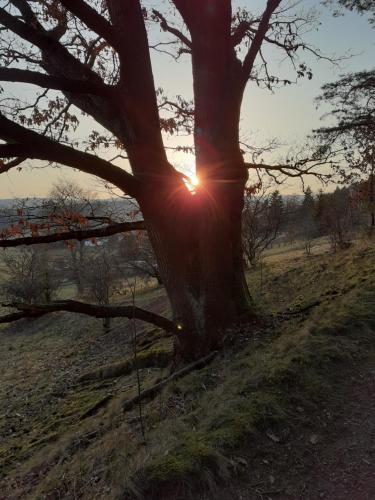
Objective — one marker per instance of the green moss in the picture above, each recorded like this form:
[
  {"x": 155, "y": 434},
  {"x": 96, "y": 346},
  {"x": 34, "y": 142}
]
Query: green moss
[
  {"x": 242, "y": 416},
  {"x": 191, "y": 454}
]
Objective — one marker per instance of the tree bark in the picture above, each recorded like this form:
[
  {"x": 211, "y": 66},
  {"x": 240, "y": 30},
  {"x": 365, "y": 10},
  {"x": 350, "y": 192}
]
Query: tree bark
[
  {"x": 197, "y": 238},
  {"x": 197, "y": 243}
]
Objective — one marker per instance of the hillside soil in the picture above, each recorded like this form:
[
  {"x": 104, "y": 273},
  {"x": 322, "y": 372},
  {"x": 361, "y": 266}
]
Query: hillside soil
[
  {"x": 286, "y": 411},
  {"x": 332, "y": 458}
]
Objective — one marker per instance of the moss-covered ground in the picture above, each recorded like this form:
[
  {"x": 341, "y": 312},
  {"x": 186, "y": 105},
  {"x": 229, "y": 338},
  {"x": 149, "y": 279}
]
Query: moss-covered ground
[{"x": 64, "y": 435}]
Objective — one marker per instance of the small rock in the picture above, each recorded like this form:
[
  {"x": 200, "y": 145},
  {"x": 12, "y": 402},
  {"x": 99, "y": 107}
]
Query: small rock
[
  {"x": 314, "y": 438},
  {"x": 241, "y": 461},
  {"x": 273, "y": 438}
]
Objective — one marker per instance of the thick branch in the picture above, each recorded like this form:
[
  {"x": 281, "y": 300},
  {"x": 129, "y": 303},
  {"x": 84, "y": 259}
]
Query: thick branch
[
  {"x": 5, "y": 167},
  {"x": 96, "y": 311},
  {"x": 240, "y": 33},
  {"x": 170, "y": 29},
  {"x": 258, "y": 38},
  {"x": 186, "y": 10},
  {"x": 26, "y": 143},
  {"x": 59, "y": 62},
  {"x": 152, "y": 391},
  {"x": 80, "y": 235},
  {"x": 92, "y": 19},
  {"x": 52, "y": 82},
  {"x": 137, "y": 84},
  {"x": 28, "y": 32}
]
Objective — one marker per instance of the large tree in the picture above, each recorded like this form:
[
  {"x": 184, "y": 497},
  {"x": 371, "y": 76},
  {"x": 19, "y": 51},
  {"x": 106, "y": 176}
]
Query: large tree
[{"x": 93, "y": 57}]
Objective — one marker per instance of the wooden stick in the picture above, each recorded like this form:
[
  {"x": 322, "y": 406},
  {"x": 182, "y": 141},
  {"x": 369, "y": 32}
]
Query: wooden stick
[{"x": 152, "y": 391}]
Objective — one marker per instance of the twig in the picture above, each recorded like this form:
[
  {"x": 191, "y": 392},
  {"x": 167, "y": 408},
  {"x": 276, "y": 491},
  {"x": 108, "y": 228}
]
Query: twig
[
  {"x": 302, "y": 309},
  {"x": 152, "y": 391}
]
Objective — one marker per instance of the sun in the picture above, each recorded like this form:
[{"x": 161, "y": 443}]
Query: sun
[
  {"x": 194, "y": 180},
  {"x": 192, "y": 183}
]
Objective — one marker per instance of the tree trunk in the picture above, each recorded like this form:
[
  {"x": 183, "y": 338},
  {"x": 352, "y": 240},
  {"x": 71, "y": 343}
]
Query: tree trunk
[
  {"x": 197, "y": 243},
  {"x": 197, "y": 238}
]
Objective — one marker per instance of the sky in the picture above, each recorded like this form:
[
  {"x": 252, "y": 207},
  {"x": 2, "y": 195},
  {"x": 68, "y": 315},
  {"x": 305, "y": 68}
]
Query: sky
[{"x": 288, "y": 114}]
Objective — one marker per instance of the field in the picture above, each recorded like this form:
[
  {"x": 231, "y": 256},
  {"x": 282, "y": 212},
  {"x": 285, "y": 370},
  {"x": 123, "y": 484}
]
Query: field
[{"x": 64, "y": 433}]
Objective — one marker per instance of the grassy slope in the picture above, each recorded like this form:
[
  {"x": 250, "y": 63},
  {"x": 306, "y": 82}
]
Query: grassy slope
[{"x": 195, "y": 428}]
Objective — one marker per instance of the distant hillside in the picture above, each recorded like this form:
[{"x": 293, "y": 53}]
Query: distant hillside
[
  {"x": 9, "y": 202},
  {"x": 6, "y": 203},
  {"x": 120, "y": 208}
]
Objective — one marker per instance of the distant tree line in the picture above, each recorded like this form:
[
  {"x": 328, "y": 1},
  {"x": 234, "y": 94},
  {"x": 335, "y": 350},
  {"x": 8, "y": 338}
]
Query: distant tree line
[
  {"x": 339, "y": 215},
  {"x": 102, "y": 269}
]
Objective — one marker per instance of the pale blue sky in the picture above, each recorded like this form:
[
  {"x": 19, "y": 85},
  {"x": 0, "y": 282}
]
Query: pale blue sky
[{"x": 289, "y": 114}]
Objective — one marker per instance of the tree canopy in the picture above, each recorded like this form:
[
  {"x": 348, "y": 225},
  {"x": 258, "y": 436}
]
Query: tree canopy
[
  {"x": 364, "y": 7},
  {"x": 94, "y": 59},
  {"x": 92, "y": 63}
]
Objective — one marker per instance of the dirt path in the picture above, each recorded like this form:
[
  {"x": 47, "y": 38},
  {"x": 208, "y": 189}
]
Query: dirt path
[
  {"x": 344, "y": 466},
  {"x": 332, "y": 460}
]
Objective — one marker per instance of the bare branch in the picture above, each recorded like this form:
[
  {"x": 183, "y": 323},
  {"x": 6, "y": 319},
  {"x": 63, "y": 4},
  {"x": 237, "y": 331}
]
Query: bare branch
[
  {"x": 96, "y": 311},
  {"x": 258, "y": 38},
  {"x": 59, "y": 62},
  {"x": 170, "y": 29},
  {"x": 28, "y": 32},
  {"x": 79, "y": 235},
  {"x": 53, "y": 82},
  {"x": 240, "y": 32},
  {"x": 136, "y": 83},
  {"x": 155, "y": 389},
  {"x": 6, "y": 166},
  {"x": 92, "y": 19},
  {"x": 26, "y": 143},
  {"x": 186, "y": 10},
  {"x": 298, "y": 169}
]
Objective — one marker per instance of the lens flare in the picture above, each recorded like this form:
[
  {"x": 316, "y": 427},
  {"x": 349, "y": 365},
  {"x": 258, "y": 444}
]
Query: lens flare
[{"x": 192, "y": 183}]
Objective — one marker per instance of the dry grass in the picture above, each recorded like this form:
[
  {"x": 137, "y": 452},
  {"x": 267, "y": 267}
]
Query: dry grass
[{"x": 195, "y": 426}]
